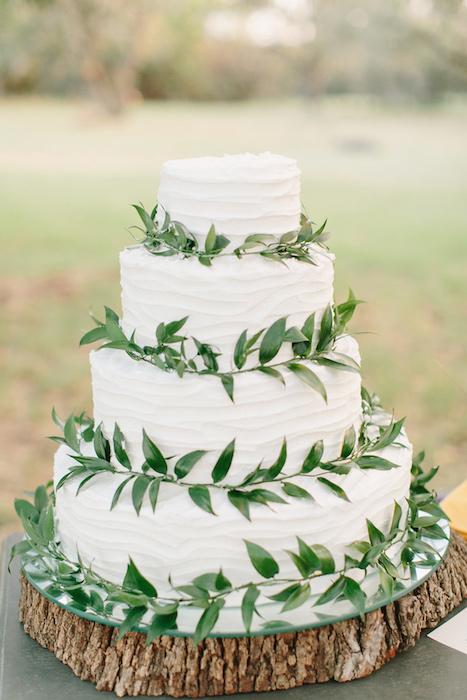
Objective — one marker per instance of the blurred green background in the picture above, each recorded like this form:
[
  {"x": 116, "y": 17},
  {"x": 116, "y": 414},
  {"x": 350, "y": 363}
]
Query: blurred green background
[{"x": 369, "y": 97}]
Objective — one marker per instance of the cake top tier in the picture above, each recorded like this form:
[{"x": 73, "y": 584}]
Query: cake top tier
[{"x": 240, "y": 194}]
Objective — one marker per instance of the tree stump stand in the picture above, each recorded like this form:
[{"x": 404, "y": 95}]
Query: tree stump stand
[{"x": 176, "y": 667}]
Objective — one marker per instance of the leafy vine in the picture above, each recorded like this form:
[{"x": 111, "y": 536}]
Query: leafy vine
[
  {"x": 170, "y": 353},
  {"x": 357, "y": 451},
  {"x": 173, "y": 238},
  {"x": 210, "y": 590}
]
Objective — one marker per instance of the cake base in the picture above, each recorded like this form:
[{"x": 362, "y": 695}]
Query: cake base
[{"x": 175, "y": 666}]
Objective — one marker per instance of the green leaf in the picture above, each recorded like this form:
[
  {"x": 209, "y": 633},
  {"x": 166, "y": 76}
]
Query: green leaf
[
  {"x": 186, "y": 463},
  {"x": 375, "y": 535},
  {"x": 276, "y": 468},
  {"x": 228, "y": 384},
  {"x": 337, "y": 490},
  {"x": 174, "y": 326},
  {"x": 25, "y": 510},
  {"x": 375, "y": 462},
  {"x": 348, "y": 443},
  {"x": 120, "y": 452},
  {"x": 41, "y": 499},
  {"x": 132, "y": 619},
  {"x": 206, "y": 581},
  {"x": 389, "y": 435},
  {"x": 396, "y": 518},
  {"x": 70, "y": 433},
  {"x": 325, "y": 331},
  {"x": 224, "y": 462},
  {"x": 313, "y": 458},
  {"x": 308, "y": 327},
  {"x": 201, "y": 497},
  {"x": 46, "y": 524},
  {"x": 285, "y": 593},
  {"x": 332, "y": 592},
  {"x": 135, "y": 581},
  {"x": 119, "y": 490},
  {"x": 326, "y": 560},
  {"x": 263, "y": 562},
  {"x": 98, "y": 333},
  {"x": 271, "y": 372},
  {"x": 273, "y": 625},
  {"x": 210, "y": 239},
  {"x": 249, "y": 605},
  {"x": 240, "y": 350},
  {"x": 18, "y": 549},
  {"x": 355, "y": 594},
  {"x": 140, "y": 486},
  {"x": 264, "y": 496},
  {"x": 58, "y": 422},
  {"x": 298, "y": 598},
  {"x": 84, "y": 482},
  {"x": 154, "y": 458},
  {"x": 295, "y": 335},
  {"x": 207, "y": 621},
  {"x": 154, "y": 493},
  {"x": 308, "y": 377},
  {"x": 240, "y": 501},
  {"x": 145, "y": 217},
  {"x": 96, "y": 464},
  {"x": 222, "y": 582},
  {"x": 101, "y": 444},
  {"x": 160, "y": 625},
  {"x": 272, "y": 341},
  {"x": 295, "y": 491}
]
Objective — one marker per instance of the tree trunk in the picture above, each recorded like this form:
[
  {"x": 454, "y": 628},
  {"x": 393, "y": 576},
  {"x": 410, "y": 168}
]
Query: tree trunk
[{"x": 176, "y": 667}]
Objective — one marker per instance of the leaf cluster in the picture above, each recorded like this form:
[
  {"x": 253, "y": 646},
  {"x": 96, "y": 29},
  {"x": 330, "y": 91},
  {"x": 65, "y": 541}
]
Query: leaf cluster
[
  {"x": 210, "y": 591},
  {"x": 111, "y": 457},
  {"x": 312, "y": 344},
  {"x": 170, "y": 237}
]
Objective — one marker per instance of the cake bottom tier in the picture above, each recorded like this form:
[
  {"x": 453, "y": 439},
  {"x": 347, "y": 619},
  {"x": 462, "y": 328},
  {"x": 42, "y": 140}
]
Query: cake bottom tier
[
  {"x": 181, "y": 541},
  {"x": 177, "y": 667}
]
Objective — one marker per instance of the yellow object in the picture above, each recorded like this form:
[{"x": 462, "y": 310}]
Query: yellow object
[{"x": 455, "y": 506}]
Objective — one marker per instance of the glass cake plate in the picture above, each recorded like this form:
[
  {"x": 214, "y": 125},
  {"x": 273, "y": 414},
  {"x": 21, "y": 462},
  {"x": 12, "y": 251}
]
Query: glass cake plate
[{"x": 230, "y": 622}]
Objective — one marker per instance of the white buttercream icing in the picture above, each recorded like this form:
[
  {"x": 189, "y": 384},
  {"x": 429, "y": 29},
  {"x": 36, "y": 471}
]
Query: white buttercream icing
[
  {"x": 181, "y": 540},
  {"x": 233, "y": 295},
  {"x": 239, "y": 194},
  {"x": 195, "y": 412}
]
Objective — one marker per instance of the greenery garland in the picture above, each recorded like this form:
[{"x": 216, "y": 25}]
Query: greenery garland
[
  {"x": 170, "y": 353},
  {"x": 173, "y": 238},
  {"x": 210, "y": 590},
  {"x": 357, "y": 451}
]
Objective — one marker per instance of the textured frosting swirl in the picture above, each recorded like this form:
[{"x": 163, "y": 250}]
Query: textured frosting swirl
[
  {"x": 224, "y": 300},
  {"x": 239, "y": 194},
  {"x": 181, "y": 540},
  {"x": 192, "y": 413}
]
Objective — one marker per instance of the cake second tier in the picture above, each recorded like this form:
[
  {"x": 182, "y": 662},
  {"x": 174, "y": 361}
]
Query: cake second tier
[
  {"x": 223, "y": 300},
  {"x": 194, "y": 412}
]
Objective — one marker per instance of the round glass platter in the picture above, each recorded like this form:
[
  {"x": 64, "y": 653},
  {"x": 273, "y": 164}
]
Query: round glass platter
[{"x": 230, "y": 623}]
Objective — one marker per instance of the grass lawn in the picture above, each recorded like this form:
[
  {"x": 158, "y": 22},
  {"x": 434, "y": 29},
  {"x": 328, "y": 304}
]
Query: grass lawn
[{"x": 392, "y": 184}]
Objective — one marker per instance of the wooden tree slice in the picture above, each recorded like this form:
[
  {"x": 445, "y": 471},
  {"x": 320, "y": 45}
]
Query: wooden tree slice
[{"x": 176, "y": 667}]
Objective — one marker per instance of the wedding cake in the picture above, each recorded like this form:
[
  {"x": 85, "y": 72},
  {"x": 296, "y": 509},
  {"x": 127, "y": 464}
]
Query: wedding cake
[{"x": 234, "y": 462}]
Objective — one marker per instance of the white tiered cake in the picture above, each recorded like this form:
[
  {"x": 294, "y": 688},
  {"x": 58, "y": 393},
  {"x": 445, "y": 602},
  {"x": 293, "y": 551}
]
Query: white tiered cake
[{"x": 180, "y": 539}]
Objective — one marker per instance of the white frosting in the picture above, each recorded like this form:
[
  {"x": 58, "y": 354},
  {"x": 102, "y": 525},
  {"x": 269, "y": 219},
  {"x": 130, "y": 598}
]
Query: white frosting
[
  {"x": 233, "y": 295},
  {"x": 239, "y": 194},
  {"x": 184, "y": 541},
  {"x": 194, "y": 412}
]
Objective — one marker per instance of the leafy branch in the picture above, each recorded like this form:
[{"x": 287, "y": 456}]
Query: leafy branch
[
  {"x": 171, "y": 353},
  {"x": 210, "y": 591},
  {"x": 173, "y": 238},
  {"x": 357, "y": 451}
]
